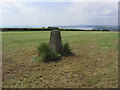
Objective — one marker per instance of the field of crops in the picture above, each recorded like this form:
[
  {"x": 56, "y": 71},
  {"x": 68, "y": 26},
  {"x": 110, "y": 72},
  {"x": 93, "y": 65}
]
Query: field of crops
[{"x": 95, "y": 63}]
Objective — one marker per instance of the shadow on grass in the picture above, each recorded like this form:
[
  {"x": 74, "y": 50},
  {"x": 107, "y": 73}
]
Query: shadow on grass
[
  {"x": 36, "y": 58},
  {"x": 59, "y": 59}
]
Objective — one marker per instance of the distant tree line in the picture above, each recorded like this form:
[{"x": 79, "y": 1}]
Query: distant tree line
[
  {"x": 101, "y": 30},
  {"x": 45, "y": 29}
]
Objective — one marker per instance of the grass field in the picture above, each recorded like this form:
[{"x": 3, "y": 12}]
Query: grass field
[{"x": 95, "y": 63}]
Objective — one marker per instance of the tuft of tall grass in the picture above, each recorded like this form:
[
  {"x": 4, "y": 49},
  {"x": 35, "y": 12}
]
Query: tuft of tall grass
[
  {"x": 46, "y": 54},
  {"x": 66, "y": 51}
]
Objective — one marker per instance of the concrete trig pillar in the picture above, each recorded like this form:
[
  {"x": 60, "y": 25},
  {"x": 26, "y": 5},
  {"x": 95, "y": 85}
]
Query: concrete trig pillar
[{"x": 55, "y": 41}]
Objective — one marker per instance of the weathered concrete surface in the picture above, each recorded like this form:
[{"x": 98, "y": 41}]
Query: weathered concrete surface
[{"x": 55, "y": 41}]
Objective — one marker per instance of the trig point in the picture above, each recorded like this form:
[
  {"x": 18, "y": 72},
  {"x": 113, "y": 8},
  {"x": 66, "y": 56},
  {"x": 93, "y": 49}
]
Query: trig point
[{"x": 55, "y": 41}]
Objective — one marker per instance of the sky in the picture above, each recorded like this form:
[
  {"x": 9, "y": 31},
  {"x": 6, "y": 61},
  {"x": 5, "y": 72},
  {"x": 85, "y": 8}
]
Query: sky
[{"x": 64, "y": 12}]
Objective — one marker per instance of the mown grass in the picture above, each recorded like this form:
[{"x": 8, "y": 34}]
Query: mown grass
[{"x": 95, "y": 63}]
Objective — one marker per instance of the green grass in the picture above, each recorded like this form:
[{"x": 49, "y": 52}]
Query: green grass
[{"x": 94, "y": 64}]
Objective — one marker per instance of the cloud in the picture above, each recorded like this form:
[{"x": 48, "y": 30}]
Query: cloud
[
  {"x": 94, "y": 11},
  {"x": 60, "y": 1},
  {"x": 69, "y": 13},
  {"x": 19, "y": 13},
  {"x": 15, "y": 6},
  {"x": 93, "y": 8}
]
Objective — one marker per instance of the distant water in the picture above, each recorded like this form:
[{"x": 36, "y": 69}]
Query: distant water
[
  {"x": 91, "y": 27},
  {"x": 80, "y": 27}
]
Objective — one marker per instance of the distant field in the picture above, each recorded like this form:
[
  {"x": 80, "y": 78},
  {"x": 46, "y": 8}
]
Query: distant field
[{"x": 95, "y": 63}]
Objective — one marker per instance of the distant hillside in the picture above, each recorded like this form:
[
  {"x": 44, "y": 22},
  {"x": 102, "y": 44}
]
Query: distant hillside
[{"x": 112, "y": 28}]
